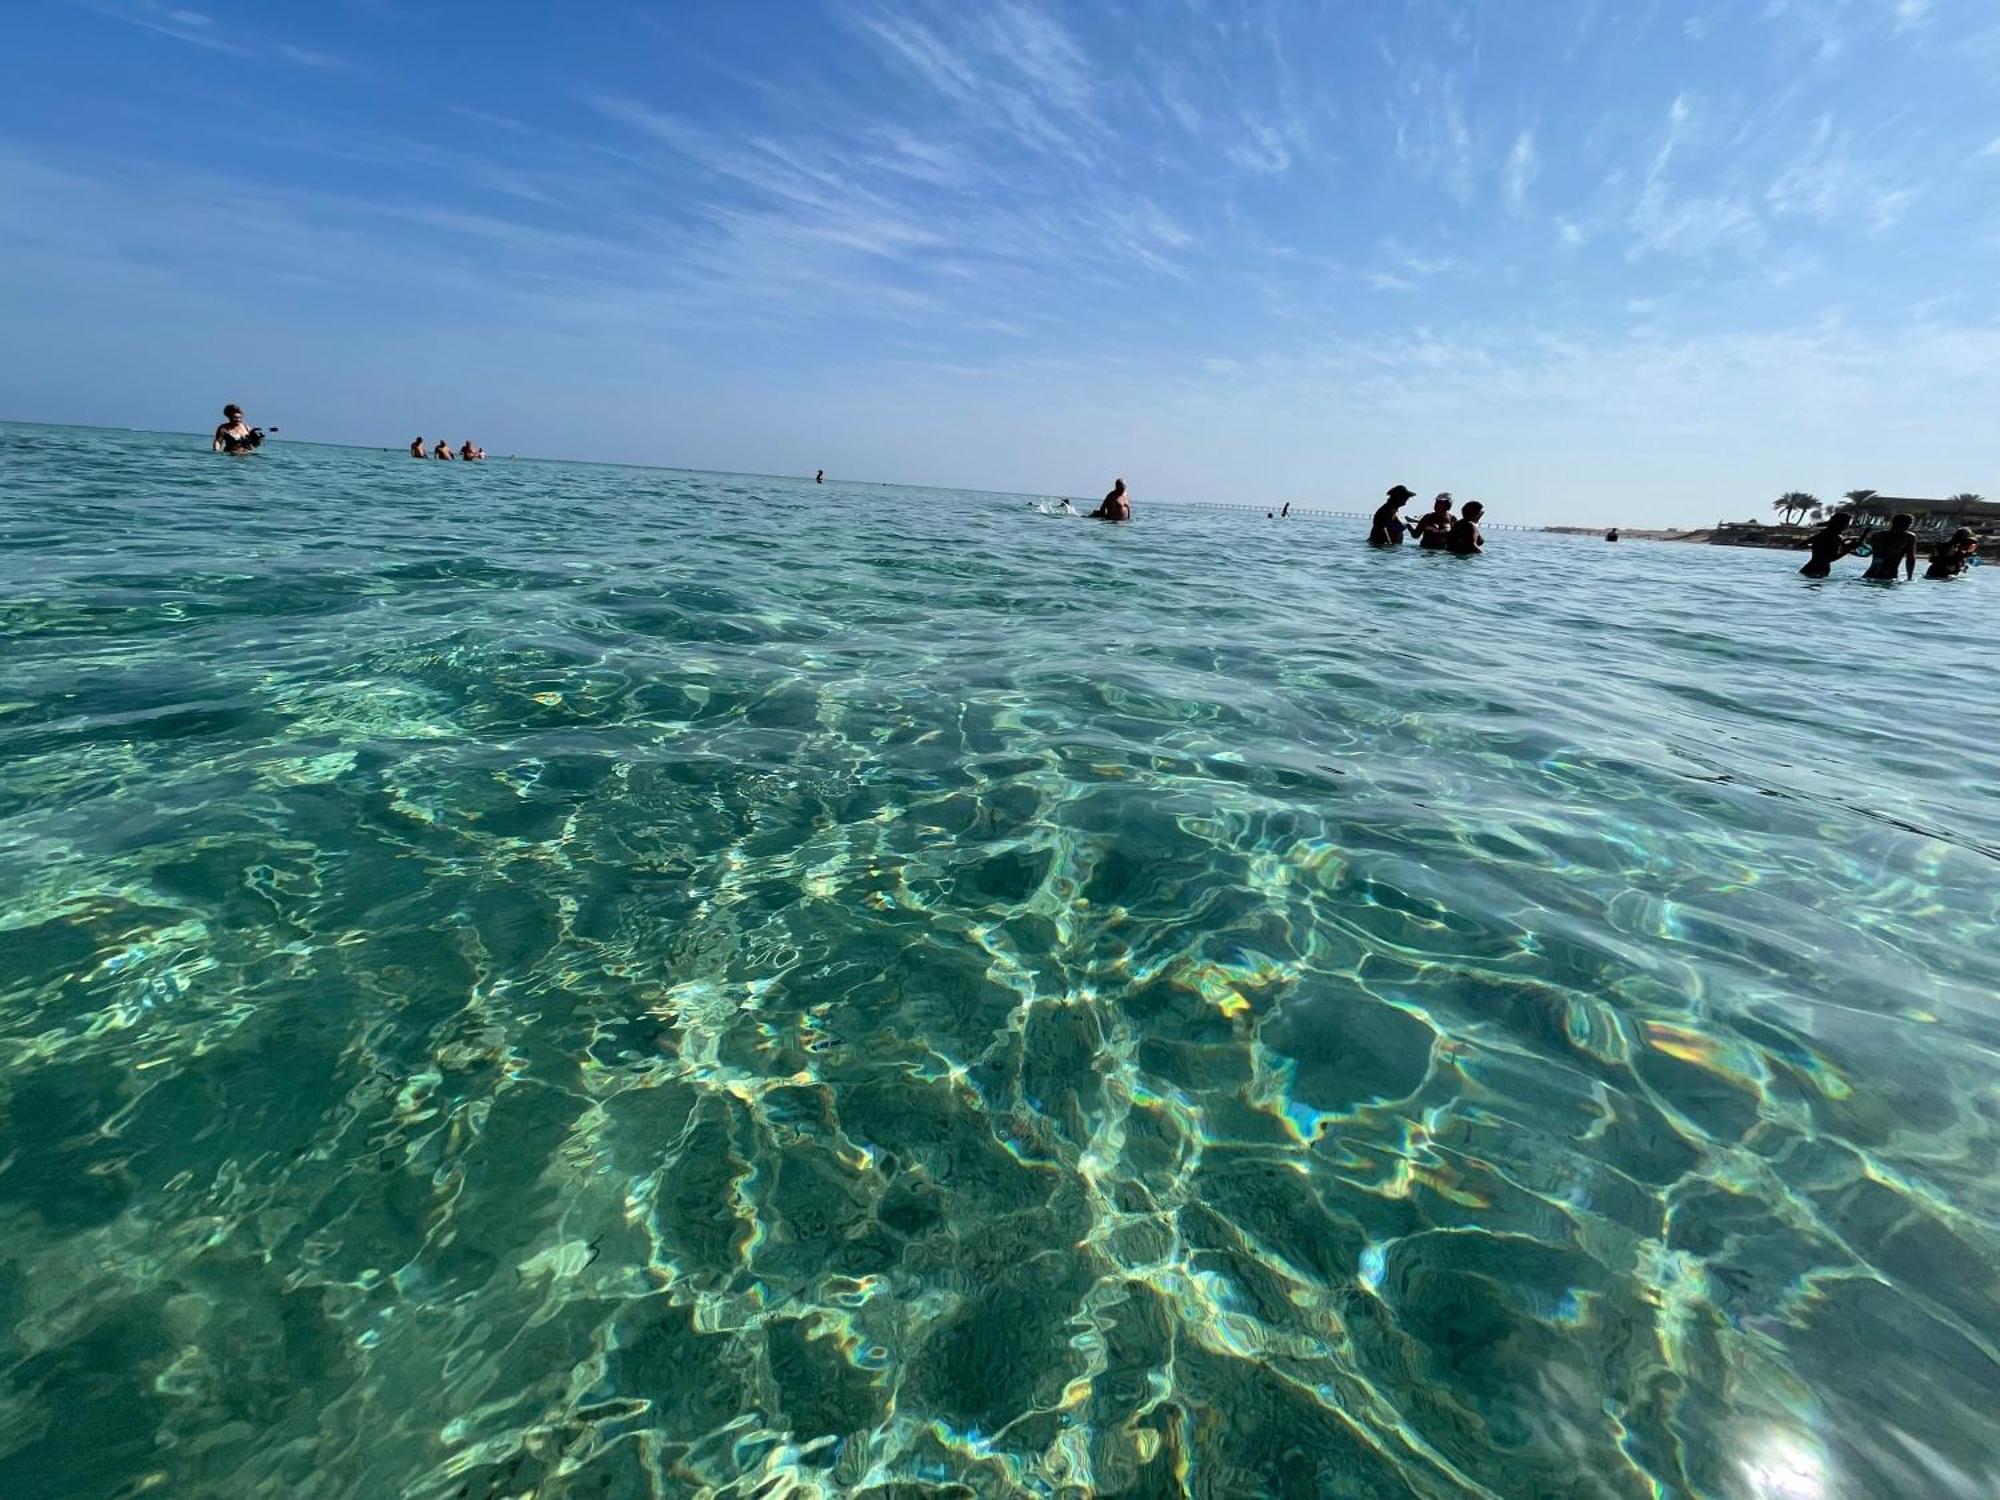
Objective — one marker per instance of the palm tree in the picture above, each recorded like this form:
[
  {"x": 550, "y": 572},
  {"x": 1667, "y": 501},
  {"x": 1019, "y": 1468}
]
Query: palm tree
[
  {"x": 1860, "y": 497},
  {"x": 1968, "y": 498},
  {"x": 1794, "y": 503}
]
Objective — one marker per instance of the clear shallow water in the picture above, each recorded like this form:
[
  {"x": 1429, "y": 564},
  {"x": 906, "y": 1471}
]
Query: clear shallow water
[{"x": 552, "y": 980}]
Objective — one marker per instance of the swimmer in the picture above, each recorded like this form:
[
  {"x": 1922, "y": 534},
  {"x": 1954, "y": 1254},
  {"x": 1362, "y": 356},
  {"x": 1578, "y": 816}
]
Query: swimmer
[
  {"x": 1953, "y": 557},
  {"x": 417, "y": 448},
  {"x": 1115, "y": 507},
  {"x": 1433, "y": 528},
  {"x": 1286, "y": 511},
  {"x": 1065, "y": 508},
  {"x": 1829, "y": 545},
  {"x": 1896, "y": 550},
  {"x": 1465, "y": 539},
  {"x": 1386, "y": 529},
  {"x": 820, "y": 477},
  {"x": 443, "y": 450},
  {"x": 233, "y": 436}
]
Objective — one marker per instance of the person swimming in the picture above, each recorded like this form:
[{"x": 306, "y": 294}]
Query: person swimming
[
  {"x": 1065, "y": 508},
  {"x": 1611, "y": 535},
  {"x": 233, "y": 436},
  {"x": 1829, "y": 545},
  {"x": 1433, "y": 528},
  {"x": 1896, "y": 550},
  {"x": 1953, "y": 557},
  {"x": 820, "y": 477},
  {"x": 1115, "y": 506},
  {"x": 417, "y": 449},
  {"x": 1385, "y": 528},
  {"x": 443, "y": 450},
  {"x": 1286, "y": 511},
  {"x": 1465, "y": 539}
]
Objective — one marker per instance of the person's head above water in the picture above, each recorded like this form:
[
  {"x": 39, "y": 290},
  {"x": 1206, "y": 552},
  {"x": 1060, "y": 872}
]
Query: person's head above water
[
  {"x": 1838, "y": 519},
  {"x": 1442, "y": 503},
  {"x": 1963, "y": 534},
  {"x": 232, "y": 412},
  {"x": 1401, "y": 494},
  {"x": 1902, "y": 521},
  {"x": 1117, "y": 486},
  {"x": 1473, "y": 510}
]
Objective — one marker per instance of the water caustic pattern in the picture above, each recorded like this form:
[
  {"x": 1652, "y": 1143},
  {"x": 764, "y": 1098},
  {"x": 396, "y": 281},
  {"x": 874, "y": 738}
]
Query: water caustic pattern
[{"x": 538, "y": 980}]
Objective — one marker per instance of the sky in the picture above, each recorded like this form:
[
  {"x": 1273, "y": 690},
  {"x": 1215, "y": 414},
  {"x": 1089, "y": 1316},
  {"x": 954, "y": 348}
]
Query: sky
[{"x": 1644, "y": 261}]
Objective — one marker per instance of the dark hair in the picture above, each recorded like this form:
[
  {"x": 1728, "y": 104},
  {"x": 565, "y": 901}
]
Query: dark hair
[
  {"x": 1839, "y": 518},
  {"x": 1902, "y": 521},
  {"x": 232, "y": 410},
  {"x": 1472, "y": 505}
]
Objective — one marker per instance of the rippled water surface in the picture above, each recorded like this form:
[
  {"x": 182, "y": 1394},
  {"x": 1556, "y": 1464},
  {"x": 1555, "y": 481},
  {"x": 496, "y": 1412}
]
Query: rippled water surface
[{"x": 542, "y": 980}]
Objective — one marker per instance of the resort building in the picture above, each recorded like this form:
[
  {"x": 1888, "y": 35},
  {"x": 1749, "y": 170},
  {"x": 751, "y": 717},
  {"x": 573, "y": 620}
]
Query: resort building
[{"x": 1932, "y": 515}]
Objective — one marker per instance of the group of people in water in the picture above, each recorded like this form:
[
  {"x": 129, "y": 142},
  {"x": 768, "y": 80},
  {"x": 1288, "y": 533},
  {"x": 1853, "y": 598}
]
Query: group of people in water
[
  {"x": 468, "y": 453},
  {"x": 1890, "y": 553},
  {"x": 1437, "y": 530}
]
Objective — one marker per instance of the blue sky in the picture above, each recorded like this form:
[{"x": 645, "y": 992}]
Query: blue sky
[{"x": 1586, "y": 259}]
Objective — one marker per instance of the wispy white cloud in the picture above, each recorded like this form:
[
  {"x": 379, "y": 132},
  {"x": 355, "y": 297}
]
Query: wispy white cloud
[
  {"x": 1431, "y": 133},
  {"x": 1010, "y": 68},
  {"x": 199, "y": 29},
  {"x": 1398, "y": 268},
  {"x": 1829, "y": 178},
  {"x": 1260, "y": 148},
  {"x": 1519, "y": 174}
]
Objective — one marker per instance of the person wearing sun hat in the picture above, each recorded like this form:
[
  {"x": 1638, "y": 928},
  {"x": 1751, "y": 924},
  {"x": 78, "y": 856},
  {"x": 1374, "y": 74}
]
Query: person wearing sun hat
[
  {"x": 1953, "y": 557},
  {"x": 1386, "y": 530}
]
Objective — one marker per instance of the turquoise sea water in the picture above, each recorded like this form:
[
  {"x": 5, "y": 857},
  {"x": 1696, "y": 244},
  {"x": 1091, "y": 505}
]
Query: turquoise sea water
[{"x": 551, "y": 980}]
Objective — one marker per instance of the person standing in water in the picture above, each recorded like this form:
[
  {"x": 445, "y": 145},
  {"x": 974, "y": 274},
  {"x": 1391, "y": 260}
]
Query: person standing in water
[
  {"x": 1465, "y": 539},
  {"x": 233, "y": 436},
  {"x": 1896, "y": 550},
  {"x": 1433, "y": 528},
  {"x": 1953, "y": 557},
  {"x": 820, "y": 477},
  {"x": 1115, "y": 506},
  {"x": 1829, "y": 545},
  {"x": 1386, "y": 528},
  {"x": 417, "y": 449},
  {"x": 443, "y": 449}
]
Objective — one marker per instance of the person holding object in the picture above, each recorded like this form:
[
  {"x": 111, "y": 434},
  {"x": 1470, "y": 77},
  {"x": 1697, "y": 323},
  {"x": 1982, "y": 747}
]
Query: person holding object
[
  {"x": 1829, "y": 545},
  {"x": 1433, "y": 528},
  {"x": 1386, "y": 528},
  {"x": 1896, "y": 550},
  {"x": 233, "y": 436},
  {"x": 1953, "y": 557}
]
